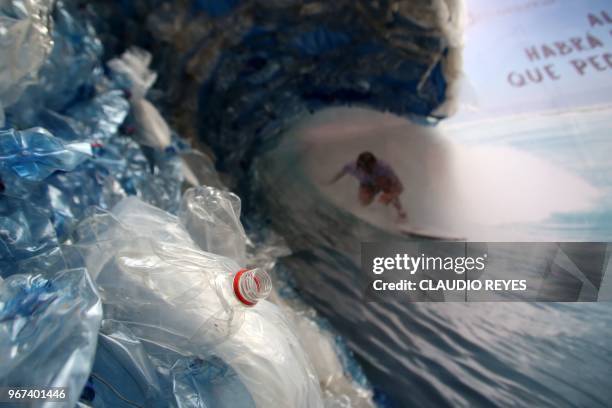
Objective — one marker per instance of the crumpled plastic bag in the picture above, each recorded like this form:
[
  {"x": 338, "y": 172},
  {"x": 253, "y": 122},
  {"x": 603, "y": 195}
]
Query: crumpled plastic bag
[{"x": 48, "y": 331}]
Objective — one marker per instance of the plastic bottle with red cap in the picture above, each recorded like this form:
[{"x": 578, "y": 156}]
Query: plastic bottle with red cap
[{"x": 251, "y": 285}]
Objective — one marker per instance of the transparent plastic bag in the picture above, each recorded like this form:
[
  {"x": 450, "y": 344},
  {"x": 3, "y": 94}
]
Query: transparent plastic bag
[{"x": 48, "y": 331}]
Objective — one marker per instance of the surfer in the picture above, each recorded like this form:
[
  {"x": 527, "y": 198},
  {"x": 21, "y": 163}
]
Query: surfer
[{"x": 375, "y": 176}]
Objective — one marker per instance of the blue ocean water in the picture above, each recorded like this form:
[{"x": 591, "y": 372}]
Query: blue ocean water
[{"x": 454, "y": 354}]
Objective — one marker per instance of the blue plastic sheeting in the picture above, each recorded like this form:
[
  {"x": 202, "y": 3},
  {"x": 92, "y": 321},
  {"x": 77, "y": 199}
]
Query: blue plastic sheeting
[{"x": 48, "y": 330}]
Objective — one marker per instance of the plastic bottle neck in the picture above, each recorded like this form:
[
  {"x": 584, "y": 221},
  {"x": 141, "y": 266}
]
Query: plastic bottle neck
[{"x": 252, "y": 285}]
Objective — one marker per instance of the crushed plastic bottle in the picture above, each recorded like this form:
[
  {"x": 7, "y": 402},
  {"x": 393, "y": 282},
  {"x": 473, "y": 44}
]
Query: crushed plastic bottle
[
  {"x": 26, "y": 234},
  {"x": 34, "y": 154},
  {"x": 208, "y": 383},
  {"x": 124, "y": 371},
  {"x": 212, "y": 218},
  {"x": 208, "y": 213},
  {"x": 25, "y": 35},
  {"x": 156, "y": 282},
  {"x": 100, "y": 117},
  {"x": 48, "y": 331},
  {"x": 195, "y": 288},
  {"x": 152, "y": 129}
]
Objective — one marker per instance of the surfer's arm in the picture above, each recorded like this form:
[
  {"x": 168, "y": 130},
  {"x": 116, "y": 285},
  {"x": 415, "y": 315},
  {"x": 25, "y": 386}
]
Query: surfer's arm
[{"x": 338, "y": 175}]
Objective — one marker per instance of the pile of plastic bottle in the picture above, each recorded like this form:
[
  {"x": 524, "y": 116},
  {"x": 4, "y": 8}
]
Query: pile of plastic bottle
[{"x": 125, "y": 273}]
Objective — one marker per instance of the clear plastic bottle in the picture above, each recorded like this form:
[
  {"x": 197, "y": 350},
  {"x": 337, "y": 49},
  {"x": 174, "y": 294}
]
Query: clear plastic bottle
[{"x": 170, "y": 294}]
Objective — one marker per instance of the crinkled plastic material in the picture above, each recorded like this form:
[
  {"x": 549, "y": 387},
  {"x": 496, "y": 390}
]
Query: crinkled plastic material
[
  {"x": 123, "y": 371},
  {"x": 127, "y": 373},
  {"x": 179, "y": 305},
  {"x": 208, "y": 383},
  {"x": 176, "y": 333},
  {"x": 151, "y": 129},
  {"x": 68, "y": 76},
  {"x": 48, "y": 331},
  {"x": 134, "y": 65},
  {"x": 25, "y": 233},
  {"x": 35, "y": 153},
  {"x": 199, "y": 169},
  {"x": 208, "y": 213},
  {"x": 342, "y": 381},
  {"x": 169, "y": 294},
  {"x": 25, "y": 43},
  {"x": 73, "y": 67},
  {"x": 100, "y": 117},
  {"x": 85, "y": 156},
  {"x": 212, "y": 218}
]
